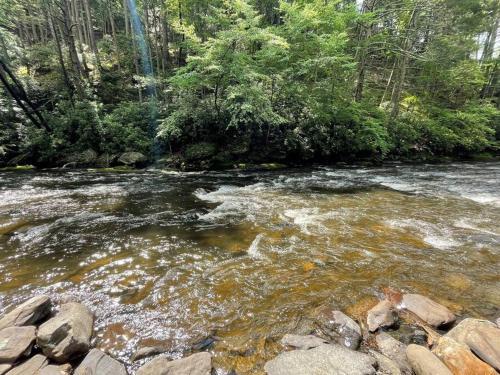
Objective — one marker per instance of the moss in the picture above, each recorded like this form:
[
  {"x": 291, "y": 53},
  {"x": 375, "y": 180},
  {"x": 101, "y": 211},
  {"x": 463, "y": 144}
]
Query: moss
[
  {"x": 18, "y": 168},
  {"x": 123, "y": 168}
]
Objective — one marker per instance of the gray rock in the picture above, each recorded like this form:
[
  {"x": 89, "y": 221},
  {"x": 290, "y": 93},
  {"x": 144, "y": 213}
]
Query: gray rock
[
  {"x": 481, "y": 336},
  {"x": 302, "y": 342},
  {"x": 147, "y": 351},
  {"x": 16, "y": 342},
  {"x": 68, "y": 334},
  {"x": 28, "y": 313},
  {"x": 196, "y": 364},
  {"x": 395, "y": 350},
  {"x": 498, "y": 322},
  {"x": 426, "y": 309},
  {"x": 4, "y": 368},
  {"x": 322, "y": 360},
  {"x": 380, "y": 316},
  {"x": 386, "y": 366},
  {"x": 337, "y": 327},
  {"x": 51, "y": 370},
  {"x": 31, "y": 366},
  {"x": 132, "y": 158},
  {"x": 423, "y": 362},
  {"x": 99, "y": 363},
  {"x": 81, "y": 159}
]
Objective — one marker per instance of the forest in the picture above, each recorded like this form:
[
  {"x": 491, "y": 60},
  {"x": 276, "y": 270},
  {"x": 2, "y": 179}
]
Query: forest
[{"x": 212, "y": 83}]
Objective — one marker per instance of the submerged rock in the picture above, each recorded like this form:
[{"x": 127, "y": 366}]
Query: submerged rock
[
  {"x": 147, "y": 351},
  {"x": 31, "y": 366},
  {"x": 99, "y": 363},
  {"x": 481, "y": 336},
  {"x": 16, "y": 342},
  {"x": 381, "y": 316},
  {"x": 459, "y": 359},
  {"x": 28, "y": 313},
  {"x": 68, "y": 334},
  {"x": 196, "y": 364},
  {"x": 424, "y": 362},
  {"x": 395, "y": 350},
  {"x": 302, "y": 342},
  {"x": 337, "y": 327},
  {"x": 322, "y": 360},
  {"x": 426, "y": 309}
]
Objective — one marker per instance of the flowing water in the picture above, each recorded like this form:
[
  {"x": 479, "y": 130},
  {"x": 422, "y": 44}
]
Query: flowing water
[{"x": 169, "y": 258}]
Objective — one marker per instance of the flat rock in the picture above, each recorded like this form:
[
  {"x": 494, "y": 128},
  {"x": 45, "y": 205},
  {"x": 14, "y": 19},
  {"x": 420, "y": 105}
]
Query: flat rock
[
  {"x": 395, "y": 350},
  {"x": 481, "y": 336},
  {"x": 426, "y": 309},
  {"x": 302, "y": 342},
  {"x": 386, "y": 366},
  {"x": 16, "y": 342},
  {"x": 380, "y": 316},
  {"x": 99, "y": 363},
  {"x": 423, "y": 362},
  {"x": 322, "y": 360},
  {"x": 459, "y": 359},
  {"x": 68, "y": 334},
  {"x": 147, "y": 351},
  {"x": 28, "y": 313},
  {"x": 31, "y": 366},
  {"x": 196, "y": 364},
  {"x": 4, "y": 368},
  {"x": 338, "y": 327}
]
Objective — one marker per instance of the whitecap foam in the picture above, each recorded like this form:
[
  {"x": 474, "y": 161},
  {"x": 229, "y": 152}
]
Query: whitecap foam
[{"x": 253, "y": 250}]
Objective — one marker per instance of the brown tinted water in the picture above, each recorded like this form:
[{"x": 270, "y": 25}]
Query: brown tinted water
[{"x": 171, "y": 258}]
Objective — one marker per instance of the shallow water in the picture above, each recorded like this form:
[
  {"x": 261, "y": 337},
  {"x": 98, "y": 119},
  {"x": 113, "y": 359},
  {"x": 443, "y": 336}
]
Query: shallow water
[{"x": 169, "y": 258}]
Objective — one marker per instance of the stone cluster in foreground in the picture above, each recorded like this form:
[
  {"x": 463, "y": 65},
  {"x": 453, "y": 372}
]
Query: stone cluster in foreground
[{"x": 36, "y": 339}]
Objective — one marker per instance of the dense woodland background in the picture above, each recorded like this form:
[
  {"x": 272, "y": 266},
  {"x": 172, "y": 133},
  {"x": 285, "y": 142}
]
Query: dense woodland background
[{"x": 206, "y": 83}]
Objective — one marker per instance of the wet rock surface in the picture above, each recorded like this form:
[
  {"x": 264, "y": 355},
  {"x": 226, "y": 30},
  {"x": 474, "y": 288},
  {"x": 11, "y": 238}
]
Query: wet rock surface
[
  {"x": 424, "y": 362},
  {"x": 28, "y": 313},
  {"x": 16, "y": 342},
  {"x": 383, "y": 315},
  {"x": 196, "y": 364},
  {"x": 302, "y": 342},
  {"x": 393, "y": 349},
  {"x": 322, "y": 360},
  {"x": 428, "y": 310},
  {"x": 67, "y": 334},
  {"x": 337, "y": 327},
  {"x": 99, "y": 363}
]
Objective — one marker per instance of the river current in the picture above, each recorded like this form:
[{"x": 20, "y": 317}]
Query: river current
[{"x": 169, "y": 259}]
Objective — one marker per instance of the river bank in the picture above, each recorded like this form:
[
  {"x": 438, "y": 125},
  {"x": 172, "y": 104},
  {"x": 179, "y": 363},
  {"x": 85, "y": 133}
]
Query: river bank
[{"x": 400, "y": 334}]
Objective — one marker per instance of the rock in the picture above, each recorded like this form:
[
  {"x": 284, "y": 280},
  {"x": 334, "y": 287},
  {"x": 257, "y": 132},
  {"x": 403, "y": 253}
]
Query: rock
[
  {"x": 395, "y": 350},
  {"x": 105, "y": 160},
  {"x": 4, "y": 368},
  {"x": 99, "y": 363},
  {"x": 302, "y": 342},
  {"x": 498, "y": 322},
  {"x": 147, "y": 351},
  {"x": 426, "y": 309},
  {"x": 382, "y": 315},
  {"x": 52, "y": 370},
  {"x": 459, "y": 359},
  {"x": 423, "y": 362},
  {"x": 81, "y": 159},
  {"x": 386, "y": 365},
  {"x": 68, "y": 334},
  {"x": 196, "y": 364},
  {"x": 31, "y": 366},
  {"x": 28, "y": 313},
  {"x": 322, "y": 360},
  {"x": 338, "y": 327},
  {"x": 16, "y": 342},
  {"x": 481, "y": 336},
  {"x": 132, "y": 159}
]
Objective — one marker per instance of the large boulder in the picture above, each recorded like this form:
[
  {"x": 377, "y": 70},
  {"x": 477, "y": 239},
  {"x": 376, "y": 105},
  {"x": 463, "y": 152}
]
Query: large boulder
[
  {"x": 337, "y": 327},
  {"x": 4, "y": 368},
  {"x": 380, "y": 316},
  {"x": 85, "y": 158},
  {"x": 67, "y": 335},
  {"x": 423, "y": 362},
  {"x": 459, "y": 359},
  {"x": 196, "y": 364},
  {"x": 28, "y": 313},
  {"x": 481, "y": 336},
  {"x": 132, "y": 159},
  {"x": 31, "y": 366},
  {"x": 395, "y": 350},
  {"x": 322, "y": 360},
  {"x": 99, "y": 363},
  {"x": 302, "y": 342},
  {"x": 16, "y": 342},
  {"x": 426, "y": 309}
]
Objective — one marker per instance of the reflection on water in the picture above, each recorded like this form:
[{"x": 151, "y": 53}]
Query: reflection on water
[{"x": 175, "y": 257}]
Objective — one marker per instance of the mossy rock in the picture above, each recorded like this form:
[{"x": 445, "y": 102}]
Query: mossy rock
[
  {"x": 200, "y": 151},
  {"x": 18, "y": 168}
]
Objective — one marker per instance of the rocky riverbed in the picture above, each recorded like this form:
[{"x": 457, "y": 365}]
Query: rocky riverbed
[{"x": 402, "y": 334}]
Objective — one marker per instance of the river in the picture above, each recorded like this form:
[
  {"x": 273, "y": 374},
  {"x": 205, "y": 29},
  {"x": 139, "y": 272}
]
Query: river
[{"x": 169, "y": 258}]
